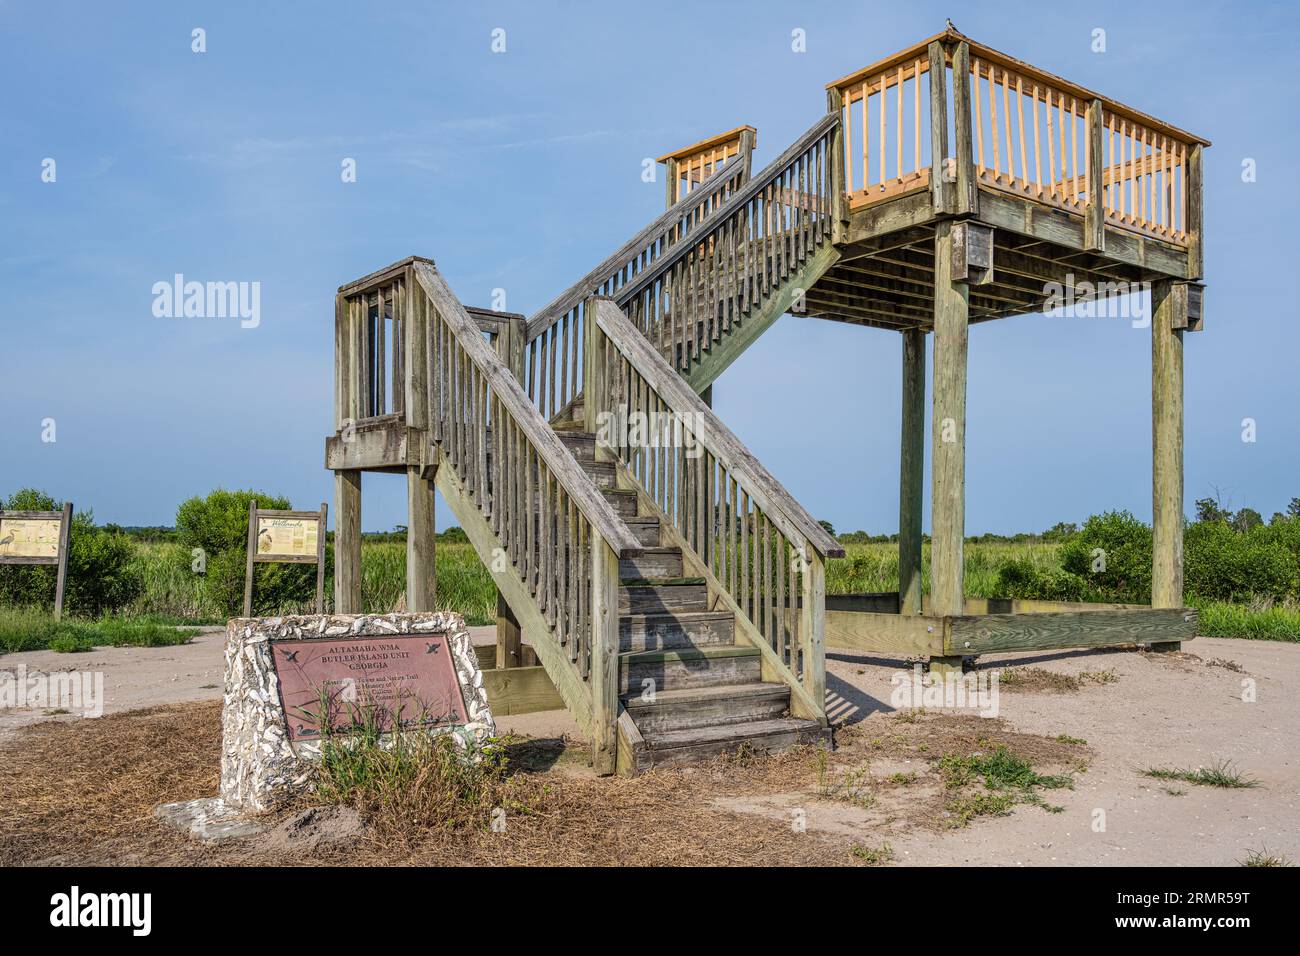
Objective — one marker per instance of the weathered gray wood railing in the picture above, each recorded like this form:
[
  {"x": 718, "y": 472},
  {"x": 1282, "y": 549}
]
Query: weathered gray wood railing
[
  {"x": 559, "y": 533},
  {"x": 763, "y": 553},
  {"x": 742, "y": 255},
  {"x": 555, "y": 333}
]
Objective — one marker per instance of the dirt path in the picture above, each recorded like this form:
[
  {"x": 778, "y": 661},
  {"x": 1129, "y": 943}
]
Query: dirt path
[{"x": 1134, "y": 710}]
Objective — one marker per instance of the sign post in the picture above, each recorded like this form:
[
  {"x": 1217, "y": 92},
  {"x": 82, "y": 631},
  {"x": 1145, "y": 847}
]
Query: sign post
[
  {"x": 38, "y": 537},
  {"x": 290, "y": 537}
]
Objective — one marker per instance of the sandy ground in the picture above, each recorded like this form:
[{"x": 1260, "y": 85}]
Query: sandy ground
[{"x": 1182, "y": 710}]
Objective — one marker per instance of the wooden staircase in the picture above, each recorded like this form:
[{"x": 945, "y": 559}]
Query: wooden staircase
[{"x": 687, "y": 687}]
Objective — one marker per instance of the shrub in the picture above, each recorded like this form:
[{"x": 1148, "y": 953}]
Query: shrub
[
  {"x": 1021, "y": 578},
  {"x": 102, "y": 575},
  {"x": 1223, "y": 564},
  {"x": 1123, "y": 572},
  {"x": 218, "y": 524}
]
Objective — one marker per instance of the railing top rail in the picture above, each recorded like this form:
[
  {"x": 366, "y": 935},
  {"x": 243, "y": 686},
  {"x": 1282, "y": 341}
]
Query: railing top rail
[
  {"x": 722, "y": 443},
  {"x": 590, "y": 502},
  {"x": 380, "y": 276},
  {"x": 737, "y": 200},
  {"x": 545, "y": 317},
  {"x": 704, "y": 145},
  {"x": 987, "y": 54}
]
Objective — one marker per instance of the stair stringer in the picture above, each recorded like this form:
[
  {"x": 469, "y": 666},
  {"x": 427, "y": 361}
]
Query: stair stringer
[
  {"x": 774, "y": 670},
  {"x": 715, "y": 360},
  {"x": 553, "y": 657}
]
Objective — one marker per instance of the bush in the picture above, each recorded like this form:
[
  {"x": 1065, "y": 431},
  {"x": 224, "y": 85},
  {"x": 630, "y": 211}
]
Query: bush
[
  {"x": 1021, "y": 578},
  {"x": 102, "y": 575},
  {"x": 218, "y": 524},
  {"x": 1223, "y": 564},
  {"x": 1122, "y": 568}
]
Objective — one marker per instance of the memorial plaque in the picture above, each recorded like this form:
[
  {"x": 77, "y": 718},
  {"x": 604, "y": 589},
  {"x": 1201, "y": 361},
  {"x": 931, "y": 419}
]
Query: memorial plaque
[
  {"x": 400, "y": 681},
  {"x": 279, "y": 538},
  {"x": 30, "y": 538}
]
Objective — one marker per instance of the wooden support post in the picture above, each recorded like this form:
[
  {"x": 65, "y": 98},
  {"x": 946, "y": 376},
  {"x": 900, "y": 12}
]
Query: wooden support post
[
  {"x": 320, "y": 557},
  {"x": 672, "y": 175},
  {"x": 250, "y": 551},
  {"x": 965, "y": 199},
  {"x": 509, "y": 636},
  {"x": 748, "y": 140},
  {"x": 421, "y": 542},
  {"x": 839, "y": 203},
  {"x": 941, "y": 189},
  {"x": 911, "y": 473},
  {"x": 948, "y": 456},
  {"x": 347, "y": 542},
  {"x": 812, "y": 628},
  {"x": 1167, "y": 449},
  {"x": 1094, "y": 216},
  {"x": 1195, "y": 186},
  {"x": 61, "y": 576},
  {"x": 604, "y": 655}
]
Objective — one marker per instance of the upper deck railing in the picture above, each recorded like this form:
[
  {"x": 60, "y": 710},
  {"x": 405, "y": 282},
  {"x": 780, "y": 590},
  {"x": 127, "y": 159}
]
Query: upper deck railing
[{"x": 1022, "y": 130}]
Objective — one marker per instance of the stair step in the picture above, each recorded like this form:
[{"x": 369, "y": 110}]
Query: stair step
[
  {"x": 698, "y": 743},
  {"x": 654, "y": 562},
  {"x": 623, "y": 502},
  {"x": 696, "y": 667},
  {"x": 664, "y": 632},
  {"x": 601, "y": 472},
  {"x": 582, "y": 445},
  {"x": 660, "y": 598},
  {"x": 671, "y": 710},
  {"x": 645, "y": 530}
]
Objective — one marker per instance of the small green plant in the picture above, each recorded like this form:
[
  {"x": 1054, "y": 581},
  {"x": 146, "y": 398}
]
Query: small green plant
[
  {"x": 1067, "y": 739},
  {"x": 873, "y": 856},
  {"x": 1263, "y": 857},
  {"x": 963, "y": 809},
  {"x": 1218, "y": 774},
  {"x": 903, "y": 779},
  {"x": 1007, "y": 777},
  {"x": 67, "y": 643}
]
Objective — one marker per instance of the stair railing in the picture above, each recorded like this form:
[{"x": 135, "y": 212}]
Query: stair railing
[
  {"x": 555, "y": 333},
  {"x": 741, "y": 257},
  {"x": 763, "y": 554},
  {"x": 558, "y": 532}
]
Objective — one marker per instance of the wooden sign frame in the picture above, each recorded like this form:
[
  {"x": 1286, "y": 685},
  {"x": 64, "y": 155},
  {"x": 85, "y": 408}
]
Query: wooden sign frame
[
  {"x": 61, "y": 555},
  {"x": 255, "y": 514}
]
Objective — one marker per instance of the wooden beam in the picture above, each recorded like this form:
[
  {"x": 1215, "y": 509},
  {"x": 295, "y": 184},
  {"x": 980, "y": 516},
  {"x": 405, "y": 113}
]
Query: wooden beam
[
  {"x": 895, "y": 635},
  {"x": 1094, "y": 219},
  {"x": 911, "y": 491},
  {"x": 421, "y": 542},
  {"x": 509, "y": 635},
  {"x": 993, "y": 633},
  {"x": 948, "y": 456},
  {"x": 941, "y": 191},
  {"x": 1195, "y": 224},
  {"x": 966, "y": 198},
  {"x": 1167, "y": 446},
  {"x": 520, "y": 690},
  {"x": 604, "y": 656},
  {"x": 347, "y": 542}
]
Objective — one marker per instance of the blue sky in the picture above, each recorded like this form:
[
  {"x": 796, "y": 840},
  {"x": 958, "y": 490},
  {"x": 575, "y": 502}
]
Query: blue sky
[{"x": 521, "y": 170}]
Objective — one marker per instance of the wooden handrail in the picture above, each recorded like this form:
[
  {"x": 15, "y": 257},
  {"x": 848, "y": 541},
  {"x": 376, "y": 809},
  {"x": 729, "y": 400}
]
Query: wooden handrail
[
  {"x": 507, "y": 391},
  {"x": 987, "y": 54},
  {"x": 768, "y": 493},
  {"x": 575, "y": 294},
  {"x": 737, "y": 201}
]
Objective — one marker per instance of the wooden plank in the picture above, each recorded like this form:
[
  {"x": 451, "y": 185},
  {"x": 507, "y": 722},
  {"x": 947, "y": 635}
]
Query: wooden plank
[
  {"x": 1094, "y": 222},
  {"x": 509, "y": 646},
  {"x": 965, "y": 197},
  {"x": 347, "y": 542},
  {"x": 948, "y": 456},
  {"x": 520, "y": 690},
  {"x": 941, "y": 191},
  {"x": 604, "y": 656},
  {"x": 1194, "y": 223},
  {"x": 61, "y": 576},
  {"x": 320, "y": 557},
  {"x": 992, "y": 633},
  {"x": 895, "y": 635},
  {"x": 911, "y": 482}
]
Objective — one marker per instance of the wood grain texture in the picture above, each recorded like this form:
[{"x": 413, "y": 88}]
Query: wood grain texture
[
  {"x": 991, "y": 633},
  {"x": 948, "y": 438}
]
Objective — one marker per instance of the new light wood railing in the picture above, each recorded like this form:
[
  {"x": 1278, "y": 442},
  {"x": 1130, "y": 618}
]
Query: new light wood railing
[
  {"x": 763, "y": 553},
  {"x": 559, "y": 533},
  {"x": 553, "y": 353},
  {"x": 690, "y": 166},
  {"x": 742, "y": 256},
  {"x": 1031, "y": 133}
]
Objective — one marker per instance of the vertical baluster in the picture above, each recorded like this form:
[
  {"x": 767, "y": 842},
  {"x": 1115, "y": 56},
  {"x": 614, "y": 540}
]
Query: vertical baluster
[
  {"x": 1038, "y": 149},
  {"x": 744, "y": 552},
  {"x": 898, "y": 125},
  {"x": 979, "y": 120},
  {"x": 884, "y": 127},
  {"x": 993, "y": 123},
  {"x": 1051, "y": 149},
  {"x": 916, "y": 115},
  {"x": 1020, "y": 117},
  {"x": 1006, "y": 128},
  {"x": 866, "y": 141}
]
